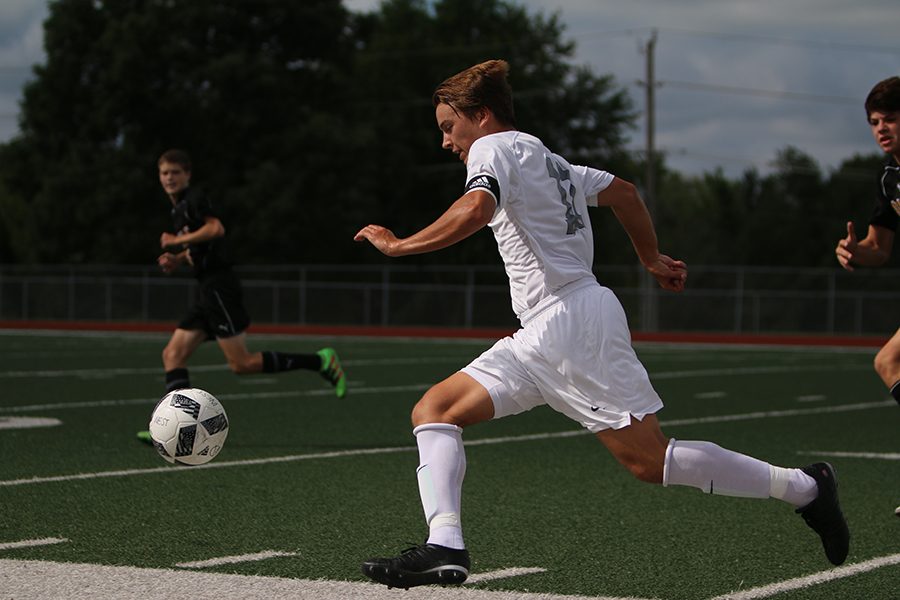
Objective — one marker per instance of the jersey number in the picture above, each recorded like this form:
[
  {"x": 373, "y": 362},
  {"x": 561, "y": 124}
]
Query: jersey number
[{"x": 566, "y": 190}]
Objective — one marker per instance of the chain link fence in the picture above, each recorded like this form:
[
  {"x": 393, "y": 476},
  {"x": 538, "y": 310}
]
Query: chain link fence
[{"x": 723, "y": 299}]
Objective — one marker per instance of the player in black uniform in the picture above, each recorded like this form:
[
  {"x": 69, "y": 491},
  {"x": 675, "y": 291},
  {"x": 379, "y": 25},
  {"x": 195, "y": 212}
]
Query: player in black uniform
[
  {"x": 883, "y": 113},
  {"x": 218, "y": 313}
]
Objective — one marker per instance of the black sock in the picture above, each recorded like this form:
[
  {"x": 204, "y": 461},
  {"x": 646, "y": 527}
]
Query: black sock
[
  {"x": 895, "y": 391},
  {"x": 177, "y": 379},
  {"x": 273, "y": 362}
]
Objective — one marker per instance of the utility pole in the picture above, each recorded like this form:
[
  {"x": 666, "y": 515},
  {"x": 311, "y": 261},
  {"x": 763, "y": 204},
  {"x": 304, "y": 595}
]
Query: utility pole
[
  {"x": 649, "y": 286},
  {"x": 650, "y": 83}
]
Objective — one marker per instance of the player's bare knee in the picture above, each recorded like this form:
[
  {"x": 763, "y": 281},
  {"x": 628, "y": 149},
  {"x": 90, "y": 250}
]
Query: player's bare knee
[
  {"x": 431, "y": 408},
  {"x": 172, "y": 356},
  {"x": 887, "y": 361},
  {"x": 423, "y": 413}
]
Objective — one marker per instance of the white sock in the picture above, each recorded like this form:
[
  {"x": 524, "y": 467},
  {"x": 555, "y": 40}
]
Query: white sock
[
  {"x": 715, "y": 470},
  {"x": 442, "y": 467},
  {"x": 793, "y": 485}
]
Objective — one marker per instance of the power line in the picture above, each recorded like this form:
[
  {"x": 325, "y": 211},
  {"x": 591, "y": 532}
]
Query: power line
[
  {"x": 751, "y": 37},
  {"x": 727, "y": 89},
  {"x": 743, "y": 37}
]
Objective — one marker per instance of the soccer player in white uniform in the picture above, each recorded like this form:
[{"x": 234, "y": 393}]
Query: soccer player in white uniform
[{"x": 573, "y": 351}]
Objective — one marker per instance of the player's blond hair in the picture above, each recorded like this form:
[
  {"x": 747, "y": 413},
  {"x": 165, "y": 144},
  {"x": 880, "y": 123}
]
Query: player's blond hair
[{"x": 481, "y": 86}]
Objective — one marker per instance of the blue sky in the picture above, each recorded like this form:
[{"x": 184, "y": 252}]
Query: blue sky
[{"x": 737, "y": 79}]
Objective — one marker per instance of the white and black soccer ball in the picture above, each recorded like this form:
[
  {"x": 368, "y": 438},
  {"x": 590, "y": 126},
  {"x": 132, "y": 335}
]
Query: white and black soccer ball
[{"x": 189, "y": 426}]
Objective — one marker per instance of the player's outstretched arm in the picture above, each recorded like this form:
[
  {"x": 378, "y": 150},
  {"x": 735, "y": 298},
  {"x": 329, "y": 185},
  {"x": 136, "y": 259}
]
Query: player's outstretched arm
[
  {"x": 169, "y": 261},
  {"x": 467, "y": 215},
  {"x": 846, "y": 248},
  {"x": 212, "y": 228},
  {"x": 632, "y": 213},
  {"x": 671, "y": 274},
  {"x": 872, "y": 251}
]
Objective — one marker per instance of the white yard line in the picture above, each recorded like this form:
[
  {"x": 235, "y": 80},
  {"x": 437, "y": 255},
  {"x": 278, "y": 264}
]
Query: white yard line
[
  {"x": 761, "y": 370},
  {"x": 31, "y": 543},
  {"x": 104, "y": 372},
  {"x": 839, "y": 454},
  {"x": 28, "y": 422},
  {"x": 63, "y": 581},
  {"x": 38, "y": 580},
  {"x": 391, "y": 450},
  {"x": 213, "y": 465},
  {"x": 714, "y": 395},
  {"x": 232, "y": 560},
  {"x": 769, "y": 414},
  {"x": 774, "y": 589},
  {"x": 225, "y": 397},
  {"x": 812, "y": 398},
  {"x": 503, "y": 574}
]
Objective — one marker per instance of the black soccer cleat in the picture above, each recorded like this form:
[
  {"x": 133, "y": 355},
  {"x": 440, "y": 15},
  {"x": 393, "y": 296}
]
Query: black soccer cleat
[
  {"x": 824, "y": 514},
  {"x": 426, "y": 564}
]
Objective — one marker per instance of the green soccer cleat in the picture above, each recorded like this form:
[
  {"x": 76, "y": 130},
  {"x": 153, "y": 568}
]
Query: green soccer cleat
[
  {"x": 332, "y": 371},
  {"x": 144, "y": 436}
]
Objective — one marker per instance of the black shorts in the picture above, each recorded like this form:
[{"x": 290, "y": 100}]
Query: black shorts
[{"x": 219, "y": 310}]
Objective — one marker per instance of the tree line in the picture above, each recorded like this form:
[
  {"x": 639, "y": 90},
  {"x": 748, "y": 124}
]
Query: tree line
[{"x": 307, "y": 121}]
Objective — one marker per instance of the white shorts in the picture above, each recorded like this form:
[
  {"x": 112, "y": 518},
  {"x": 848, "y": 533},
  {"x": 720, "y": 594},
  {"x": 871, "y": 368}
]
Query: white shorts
[{"x": 576, "y": 357}]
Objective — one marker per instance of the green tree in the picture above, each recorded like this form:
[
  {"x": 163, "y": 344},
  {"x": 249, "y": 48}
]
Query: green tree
[
  {"x": 305, "y": 121},
  {"x": 851, "y": 194},
  {"x": 408, "y": 47},
  {"x": 242, "y": 85}
]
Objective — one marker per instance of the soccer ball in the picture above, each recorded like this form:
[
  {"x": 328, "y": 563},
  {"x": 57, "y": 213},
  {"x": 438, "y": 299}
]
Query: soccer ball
[{"x": 188, "y": 426}]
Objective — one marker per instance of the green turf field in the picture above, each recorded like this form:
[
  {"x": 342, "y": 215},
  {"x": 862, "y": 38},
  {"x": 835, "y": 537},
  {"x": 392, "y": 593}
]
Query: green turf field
[{"x": 308, "y": 486}]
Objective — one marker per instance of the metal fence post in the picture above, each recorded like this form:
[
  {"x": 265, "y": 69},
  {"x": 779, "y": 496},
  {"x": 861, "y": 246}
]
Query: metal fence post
[
  {"x": 276, "y": 294},
  {"x": 739, "y": 300},
  {"x": 301, "y": 300},
  {"x": 145, "y": 295},
  {"x": 385, "y": 296},
  {"x": 469, "y": 297},
  {"x": 832, "y": 303},
  {"x": 70, "y": 297},
  {"x": 25, "y": 299}
]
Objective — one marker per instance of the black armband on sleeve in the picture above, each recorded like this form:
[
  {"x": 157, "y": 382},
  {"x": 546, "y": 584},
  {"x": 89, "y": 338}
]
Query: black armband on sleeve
[{"x": 486, "y": 183}]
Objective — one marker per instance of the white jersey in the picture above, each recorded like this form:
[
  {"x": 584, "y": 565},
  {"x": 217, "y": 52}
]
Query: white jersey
[{"x": 541, "y": 223}]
